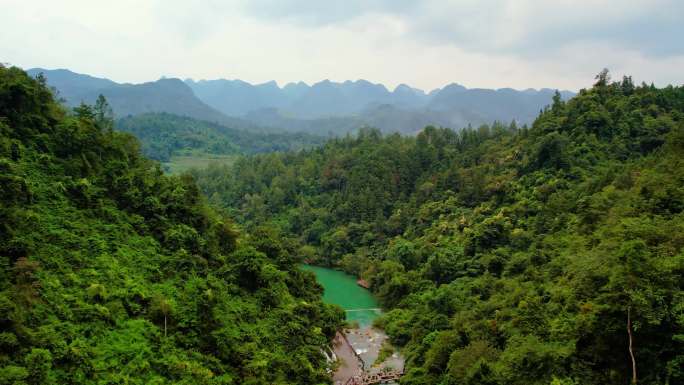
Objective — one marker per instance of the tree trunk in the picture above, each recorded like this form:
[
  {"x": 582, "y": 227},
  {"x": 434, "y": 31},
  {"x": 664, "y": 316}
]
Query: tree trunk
[
  {"x": 631, "y": 351},
  {"x": 165, "y": 329}
]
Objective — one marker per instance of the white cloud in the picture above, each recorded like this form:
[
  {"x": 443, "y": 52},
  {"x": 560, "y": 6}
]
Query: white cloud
[{"x": 479, "y": 43}]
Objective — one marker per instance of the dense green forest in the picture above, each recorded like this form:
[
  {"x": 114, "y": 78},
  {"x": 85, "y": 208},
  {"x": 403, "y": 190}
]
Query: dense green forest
[
  {"x": 163, "y": 135},
  {"x": 549, "y": 254},
  {"x": 113, "y": 273}
]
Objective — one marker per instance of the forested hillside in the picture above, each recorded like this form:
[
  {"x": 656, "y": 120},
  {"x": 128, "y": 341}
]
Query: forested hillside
[
  {"x": 550, "y": 254},
  {"x": 167, "y": 95},
  {"x": 162, "y": 135},
  {"x": 113, "y": 273}
]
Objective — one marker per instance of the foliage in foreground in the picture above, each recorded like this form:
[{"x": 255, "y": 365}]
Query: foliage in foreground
[
  {"x": 506, "y": 255},
  {"x": 112, "y": 273}
]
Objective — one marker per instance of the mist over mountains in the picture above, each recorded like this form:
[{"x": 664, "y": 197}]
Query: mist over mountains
[
  {"x": 323, "y": 108},
  {"x": 333, "y": 106},
  {"x": 164, "y": 95}
]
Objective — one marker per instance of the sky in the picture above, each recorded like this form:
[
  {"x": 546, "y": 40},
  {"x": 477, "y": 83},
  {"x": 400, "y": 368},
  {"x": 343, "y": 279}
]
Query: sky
[{"x": 424, "y": 43}]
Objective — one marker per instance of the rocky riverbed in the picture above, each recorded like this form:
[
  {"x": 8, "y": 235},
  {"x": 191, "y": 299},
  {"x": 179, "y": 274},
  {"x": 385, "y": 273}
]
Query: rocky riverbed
[
  {"x": 356, "y": 349},
  {"x": 357, "y": 352}
]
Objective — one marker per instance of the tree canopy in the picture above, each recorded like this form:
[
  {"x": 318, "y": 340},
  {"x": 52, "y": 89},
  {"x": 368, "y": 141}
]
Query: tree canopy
[
  {"x": 113, "y": 273},
  {"x": 504, "y": 254},
  {"x": 163, "y": 135}
]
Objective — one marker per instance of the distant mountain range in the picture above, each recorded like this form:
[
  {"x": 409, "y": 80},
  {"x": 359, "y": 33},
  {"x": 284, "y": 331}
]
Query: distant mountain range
[
  {"x": 323, "y": 108},
  {"x": 164, "y": 95}
]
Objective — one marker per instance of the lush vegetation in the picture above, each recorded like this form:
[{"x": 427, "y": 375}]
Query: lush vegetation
[
  {"x": 550, "y": 254},
  {"x": 163, "y": 135},
  {"x": 179, "y": 164},
  {"x": 113, "y": 273}
]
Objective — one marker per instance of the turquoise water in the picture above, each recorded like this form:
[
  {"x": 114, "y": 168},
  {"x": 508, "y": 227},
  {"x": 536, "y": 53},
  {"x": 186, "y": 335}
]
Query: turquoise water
[{"x": 341, "y": 289}]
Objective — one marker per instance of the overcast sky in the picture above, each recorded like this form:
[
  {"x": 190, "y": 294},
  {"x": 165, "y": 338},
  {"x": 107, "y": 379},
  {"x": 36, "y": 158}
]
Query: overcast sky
[{"x": 426, "y": 44}]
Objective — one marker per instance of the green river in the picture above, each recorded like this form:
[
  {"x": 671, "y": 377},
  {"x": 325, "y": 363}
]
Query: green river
[{"x": 341, "y": 289}]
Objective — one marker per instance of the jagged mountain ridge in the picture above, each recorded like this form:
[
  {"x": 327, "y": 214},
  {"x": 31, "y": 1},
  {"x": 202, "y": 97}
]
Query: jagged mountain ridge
[
  {"x": 351, "y": 104},
  {"x": 168, "y": 95},
  {"x": 324, "y": 108}
]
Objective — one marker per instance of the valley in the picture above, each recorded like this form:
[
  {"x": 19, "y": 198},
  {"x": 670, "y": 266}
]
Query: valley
[
  {"x": 358, "y": 347},
  {"x": 500, "y": 254},
  {"x": 264, "y": 215}
]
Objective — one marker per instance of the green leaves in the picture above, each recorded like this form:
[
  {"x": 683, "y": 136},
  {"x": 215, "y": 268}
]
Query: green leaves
[
  {"x": 164, "y": 136},
  {"x": 38, "y": 363},
  {"x": 516, "y": 253},
  {"x": 111, "y": 272},
  {"x": 551, "y": 151}
]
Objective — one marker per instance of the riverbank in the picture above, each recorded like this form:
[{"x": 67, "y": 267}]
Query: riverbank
[
  {"x": 348, "y": 363},
  {"x": 357, "y": 352},
  {"x": 342, "y": 289},
  {"x": 368, "y": 343},
  {"x": 357, "y": 349}
]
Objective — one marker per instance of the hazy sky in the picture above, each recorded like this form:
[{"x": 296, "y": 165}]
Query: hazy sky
[{"x": 426, "y": 44}]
